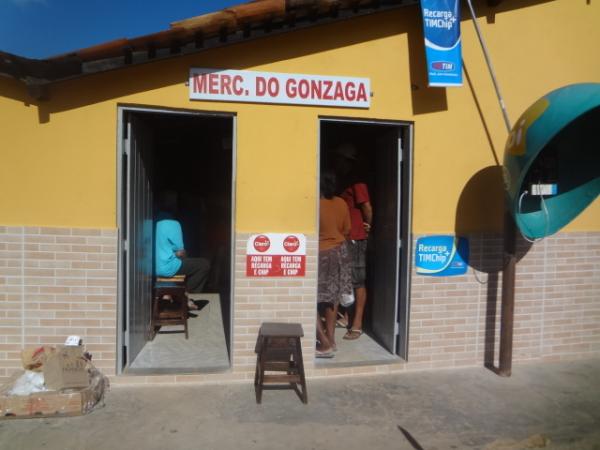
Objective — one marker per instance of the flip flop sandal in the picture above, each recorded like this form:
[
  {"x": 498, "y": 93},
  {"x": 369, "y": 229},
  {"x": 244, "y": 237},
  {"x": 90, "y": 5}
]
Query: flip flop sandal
[
  {"x": 192, "y": 306},
  {"x": 341, "y": 323},
  {"x": 320, "y": 354},
  {"x": 351, "y": 335}
]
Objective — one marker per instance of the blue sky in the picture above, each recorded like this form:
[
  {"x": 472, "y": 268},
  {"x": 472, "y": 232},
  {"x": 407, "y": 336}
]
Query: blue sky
[{"x": 43, "y": 28}]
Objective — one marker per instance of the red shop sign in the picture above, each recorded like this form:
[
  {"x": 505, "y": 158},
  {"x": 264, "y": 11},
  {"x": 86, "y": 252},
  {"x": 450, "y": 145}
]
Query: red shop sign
[{"x": 276, "y": 255}]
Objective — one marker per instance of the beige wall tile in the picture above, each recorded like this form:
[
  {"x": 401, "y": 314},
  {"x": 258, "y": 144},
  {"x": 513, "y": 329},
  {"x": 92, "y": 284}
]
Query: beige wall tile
[{"x": 55, "y": 282}]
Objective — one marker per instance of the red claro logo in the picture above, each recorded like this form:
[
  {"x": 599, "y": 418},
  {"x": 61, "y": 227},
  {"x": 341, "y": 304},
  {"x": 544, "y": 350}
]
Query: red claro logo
[
  {"x": 291, "y": 244},
  {"x": 261, "y": 243}
]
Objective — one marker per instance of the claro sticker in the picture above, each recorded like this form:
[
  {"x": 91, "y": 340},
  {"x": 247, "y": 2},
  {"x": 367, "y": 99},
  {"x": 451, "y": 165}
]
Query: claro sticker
[{"x": 276, "y": 255}]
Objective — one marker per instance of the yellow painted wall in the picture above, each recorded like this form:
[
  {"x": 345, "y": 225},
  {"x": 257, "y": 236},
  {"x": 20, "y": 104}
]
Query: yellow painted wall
[{"x": 58, "y": 165}]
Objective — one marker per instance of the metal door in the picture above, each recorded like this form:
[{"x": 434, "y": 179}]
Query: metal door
[
  {"x": 385, "y": 240},
  {"x": 138, "y": 235}
]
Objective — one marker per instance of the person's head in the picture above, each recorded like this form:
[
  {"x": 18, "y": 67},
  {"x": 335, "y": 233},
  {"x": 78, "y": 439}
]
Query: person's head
[
  {"x": 167, "y": 201},
  {"x": 328, "y": 186},
  {"x": 345, "y": 156}
]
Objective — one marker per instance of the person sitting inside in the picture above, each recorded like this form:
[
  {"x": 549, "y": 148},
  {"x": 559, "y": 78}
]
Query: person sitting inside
[{"x": 170, "y": 256}]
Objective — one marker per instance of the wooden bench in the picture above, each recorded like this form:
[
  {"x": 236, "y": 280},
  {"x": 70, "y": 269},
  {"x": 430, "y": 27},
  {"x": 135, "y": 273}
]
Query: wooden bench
[
  {"x": 279, "y": 349},
  {"x": 173, "y": 311}
]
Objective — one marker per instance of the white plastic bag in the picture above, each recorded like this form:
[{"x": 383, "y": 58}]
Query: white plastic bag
[
  {"x": 347, "y": 299},
  {"x": 28, "y": 383}
]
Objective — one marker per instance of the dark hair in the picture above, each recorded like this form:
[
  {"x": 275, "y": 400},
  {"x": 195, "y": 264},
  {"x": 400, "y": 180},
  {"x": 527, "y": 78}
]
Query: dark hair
[
  {"x": 328, "y": 184},
  {"x": 167, "y": 201}
]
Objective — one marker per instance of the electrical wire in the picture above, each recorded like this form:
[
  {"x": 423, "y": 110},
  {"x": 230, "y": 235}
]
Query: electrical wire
[
  {"x": 546, "y": 215},
  {"x": 533, "y": 241},
  {"x": 477, "y": 277}
]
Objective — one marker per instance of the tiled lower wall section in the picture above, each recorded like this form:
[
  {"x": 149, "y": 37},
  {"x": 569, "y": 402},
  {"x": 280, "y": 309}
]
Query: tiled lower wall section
[
  {"x": 455, "y": 321},
  {"x": 260, "y": 300},
  {"x": 56, "y": 282},
  {"x": 59, "y": 281}
]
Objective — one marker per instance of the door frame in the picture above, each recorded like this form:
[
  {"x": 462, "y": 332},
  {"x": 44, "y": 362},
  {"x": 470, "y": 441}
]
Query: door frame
[
  {"x": 405, "y": 199},
  {"x": 122, "y": 110}
]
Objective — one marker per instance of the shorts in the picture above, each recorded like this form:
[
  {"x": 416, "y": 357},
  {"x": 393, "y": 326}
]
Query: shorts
[
  {"x": 334, "y": 275},
  {"x": 358, "y": 262}
]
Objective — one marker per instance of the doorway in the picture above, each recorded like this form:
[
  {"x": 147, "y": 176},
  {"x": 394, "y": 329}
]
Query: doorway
[
  {"x": 190, "y": 155},
  {"x": 383, "y": 161}
]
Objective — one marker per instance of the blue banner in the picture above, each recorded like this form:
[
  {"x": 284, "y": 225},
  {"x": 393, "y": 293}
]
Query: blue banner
[
  {"x": 441, "y": 27},
  {"x": 442, "y": 256}
]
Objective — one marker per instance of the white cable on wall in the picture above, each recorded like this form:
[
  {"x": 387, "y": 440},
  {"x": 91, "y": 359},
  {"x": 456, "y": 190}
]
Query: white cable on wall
[{"x": 546, "y": 214}]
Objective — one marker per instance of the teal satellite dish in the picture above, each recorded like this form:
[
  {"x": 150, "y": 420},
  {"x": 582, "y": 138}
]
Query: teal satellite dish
[{"x": 552, "y": 160}]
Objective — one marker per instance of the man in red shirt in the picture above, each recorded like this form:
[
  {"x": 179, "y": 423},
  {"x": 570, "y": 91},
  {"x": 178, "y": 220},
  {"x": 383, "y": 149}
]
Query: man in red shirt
[{"x": 356, "y": 195}]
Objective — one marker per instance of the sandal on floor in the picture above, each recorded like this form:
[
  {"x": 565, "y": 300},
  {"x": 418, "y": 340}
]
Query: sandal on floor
[
  {"x": 341, "y": 321},
  {"x": 192, "y": 306},
  {"x": 324, "y": 354},
  {"x": 351, "y": 335}
]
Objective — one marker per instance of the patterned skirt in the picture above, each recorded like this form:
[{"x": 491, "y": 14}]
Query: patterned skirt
[{"x": 335, "y": 275}]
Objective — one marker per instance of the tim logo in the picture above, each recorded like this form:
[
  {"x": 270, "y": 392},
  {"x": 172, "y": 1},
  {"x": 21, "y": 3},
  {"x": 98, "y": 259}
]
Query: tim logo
[{"x": 442, "y": 65}]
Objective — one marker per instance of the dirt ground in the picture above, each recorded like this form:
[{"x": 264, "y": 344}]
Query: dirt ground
[{"x": 544, "y": 405}]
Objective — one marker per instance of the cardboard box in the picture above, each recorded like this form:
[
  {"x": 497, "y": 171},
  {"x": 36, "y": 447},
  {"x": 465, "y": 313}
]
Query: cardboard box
[
  {"x": 33, "y": 358},
  {"x": 65, "y": 368},
  {"x": 72, "y": 402}
]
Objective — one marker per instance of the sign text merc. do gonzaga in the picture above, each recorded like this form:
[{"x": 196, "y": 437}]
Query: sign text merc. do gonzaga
[{"x": 283, "y": 88}]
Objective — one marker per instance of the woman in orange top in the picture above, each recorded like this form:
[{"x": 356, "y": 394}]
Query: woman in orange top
[{"x": 334, "y": 267}]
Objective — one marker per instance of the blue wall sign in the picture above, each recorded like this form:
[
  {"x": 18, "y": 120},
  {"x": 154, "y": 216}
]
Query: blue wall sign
[
  {"x": 442, "y": 256},
  {"x": 441, "y": 27}
]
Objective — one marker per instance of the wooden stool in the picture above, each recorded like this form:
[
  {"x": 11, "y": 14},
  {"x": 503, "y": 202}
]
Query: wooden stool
[
  {"x": 169, "y": 312},
  {"x": 279, "y": 349}
]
